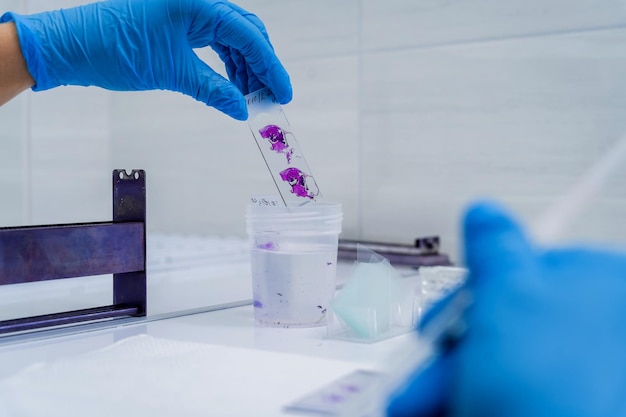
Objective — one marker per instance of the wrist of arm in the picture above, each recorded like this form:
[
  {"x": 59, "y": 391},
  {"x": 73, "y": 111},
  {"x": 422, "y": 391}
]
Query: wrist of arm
[{"x": 14, "y": 75}]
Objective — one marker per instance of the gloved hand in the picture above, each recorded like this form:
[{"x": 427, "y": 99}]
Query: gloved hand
[
  {"x": 546, "y": 332},
  {"x": 128, "y": 45}
]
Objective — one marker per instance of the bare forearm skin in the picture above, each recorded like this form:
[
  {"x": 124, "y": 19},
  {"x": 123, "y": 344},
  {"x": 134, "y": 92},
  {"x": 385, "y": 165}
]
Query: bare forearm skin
[{"x": 14, "y": 76}]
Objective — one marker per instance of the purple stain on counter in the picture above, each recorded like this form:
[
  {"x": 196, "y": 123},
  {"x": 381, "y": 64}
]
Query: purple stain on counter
[
  {"x": 334, "y": 398},
  {"x": 258, "y": 304},
  {"x": 300, "y": 182},
  {"x": 278, "y": 139},
  {"x": 351, "y": 388}
]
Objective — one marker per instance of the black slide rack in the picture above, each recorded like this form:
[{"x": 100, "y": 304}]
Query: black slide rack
[{"x": 52, "y": 252}]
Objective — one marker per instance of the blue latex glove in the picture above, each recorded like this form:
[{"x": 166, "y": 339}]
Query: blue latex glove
[
  {"x": 546, "y": 333},
  {"x": 132, "y": 45}
]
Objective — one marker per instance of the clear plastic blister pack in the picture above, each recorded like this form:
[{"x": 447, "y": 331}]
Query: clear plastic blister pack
[
  {"x": 280, "y": 149},
  {"x": 375, "y": 304}
]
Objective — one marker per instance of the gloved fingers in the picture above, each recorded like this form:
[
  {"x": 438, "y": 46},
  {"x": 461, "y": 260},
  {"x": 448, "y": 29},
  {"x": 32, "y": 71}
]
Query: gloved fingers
[
  {"x": 205, "y": 85},
  {"x": 241, "y": 71},
  {"x": 235, "y": 67},
  {"x": 238, "y": 70},
  {"x": 224, "y": 53},
  {"x": 574, "y": 267},
  {"x": 247, "y": 81},
  {"x": 254, "y": 19},
  {"x": 254, "y": 83},
  {"x": 236, "y": 32},
  {"x": 426, "y": 392},
  {"x": 602, "y": 263},
  {"x": 495, "y": 244}
]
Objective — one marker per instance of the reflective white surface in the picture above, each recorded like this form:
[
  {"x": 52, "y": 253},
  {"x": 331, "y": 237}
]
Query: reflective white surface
[
  {"x": 184, "y": 273},
  {"x": 230, "y": 328}
]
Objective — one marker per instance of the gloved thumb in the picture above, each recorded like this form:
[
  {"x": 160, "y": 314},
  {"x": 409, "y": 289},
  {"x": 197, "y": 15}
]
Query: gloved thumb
[
  {"x": 495, "y": 244},
  {"x": 202, "y": 83}
]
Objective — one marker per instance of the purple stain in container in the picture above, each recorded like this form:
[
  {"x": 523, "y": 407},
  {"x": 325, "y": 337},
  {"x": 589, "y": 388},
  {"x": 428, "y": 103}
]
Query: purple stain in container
[
  {"x": 258, "y": 304},
  {"x": 278, "y": 139},
  {"x": 267, "y": 246},
  {"x": 300, "y": 182}
]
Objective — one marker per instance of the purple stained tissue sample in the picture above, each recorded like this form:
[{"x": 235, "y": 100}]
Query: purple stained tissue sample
[
  {"x": 278, "y": 139},
  {"x": 300, "y": 182}
]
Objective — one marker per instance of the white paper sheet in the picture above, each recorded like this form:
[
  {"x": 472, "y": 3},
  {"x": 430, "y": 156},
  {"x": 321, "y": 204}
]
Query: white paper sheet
[{"x": 147, "y": 376}]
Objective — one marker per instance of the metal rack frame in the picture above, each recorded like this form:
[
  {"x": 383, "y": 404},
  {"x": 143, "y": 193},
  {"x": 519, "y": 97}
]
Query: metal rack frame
[{"x": 51, "y": 252}]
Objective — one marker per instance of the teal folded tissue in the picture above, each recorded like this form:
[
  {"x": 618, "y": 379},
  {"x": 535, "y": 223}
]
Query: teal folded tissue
[{"x": 375, "y": 303}]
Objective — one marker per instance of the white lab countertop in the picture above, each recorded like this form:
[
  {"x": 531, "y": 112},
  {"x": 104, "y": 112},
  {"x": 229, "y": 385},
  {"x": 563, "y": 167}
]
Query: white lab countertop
[
  {"x": 232, "y": 328},
  {"x": 227, "y": 327},
  {"x": 184, "y": 275}
]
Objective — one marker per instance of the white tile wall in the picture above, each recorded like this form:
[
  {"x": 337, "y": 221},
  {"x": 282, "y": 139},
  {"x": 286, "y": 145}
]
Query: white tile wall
[
  {"x": 11, "y": 162},
  {"x": 36, "y": 6},
  {"x": 70, "y": 156},
  {"x": 305, "y": 29},
  {"x": 16, "y": 6},
  {"x": 408, "y": 23},
  {"x": 324, "y": 116},
  {"x": 405, "y": 109},
  {"x": 516, "y": 120}
]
